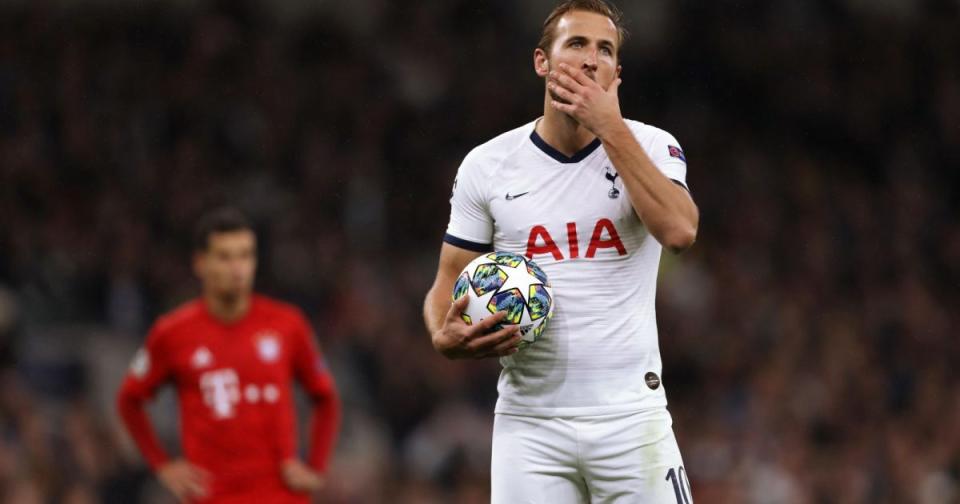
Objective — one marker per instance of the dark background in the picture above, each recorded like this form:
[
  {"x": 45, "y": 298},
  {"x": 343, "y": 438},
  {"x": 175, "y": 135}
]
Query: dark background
[{"x": 809, "y": 338}]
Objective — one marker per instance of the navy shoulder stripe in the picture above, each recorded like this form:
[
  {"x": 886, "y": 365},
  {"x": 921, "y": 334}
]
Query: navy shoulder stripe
[
  {"x": 681, "y": 184},
  {"x": 467, "y": 244}
]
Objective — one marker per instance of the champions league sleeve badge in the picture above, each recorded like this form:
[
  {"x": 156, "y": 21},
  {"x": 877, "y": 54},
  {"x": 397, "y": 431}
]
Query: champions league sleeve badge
[
  {"x": 676, "y": 152},
  {"x": 140, "y": 365}
]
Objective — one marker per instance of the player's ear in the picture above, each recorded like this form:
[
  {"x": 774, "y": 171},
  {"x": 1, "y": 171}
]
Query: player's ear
[
  {"x": 199, "y": 263},
  {"x": 619, "y": 69},
  {"x": 541, "y": 64}
]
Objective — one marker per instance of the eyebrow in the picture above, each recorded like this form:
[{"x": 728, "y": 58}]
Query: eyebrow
[{"x": 581, "y": 38}]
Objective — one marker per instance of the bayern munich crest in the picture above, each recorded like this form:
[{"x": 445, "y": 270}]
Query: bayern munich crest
[{"x": 268, "y": 346}]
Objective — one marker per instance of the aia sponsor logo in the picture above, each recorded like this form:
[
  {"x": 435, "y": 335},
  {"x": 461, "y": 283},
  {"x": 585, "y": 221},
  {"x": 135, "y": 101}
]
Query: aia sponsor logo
[{"x": 603, "y": 236}]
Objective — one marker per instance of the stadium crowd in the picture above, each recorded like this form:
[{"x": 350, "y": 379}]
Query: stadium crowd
[{"x": 809, "y": 337}]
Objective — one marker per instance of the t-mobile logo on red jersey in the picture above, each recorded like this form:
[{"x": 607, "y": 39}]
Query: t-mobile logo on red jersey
[
  {"x": 604, "y": 235},
  {"x": 221, "y": 392}
]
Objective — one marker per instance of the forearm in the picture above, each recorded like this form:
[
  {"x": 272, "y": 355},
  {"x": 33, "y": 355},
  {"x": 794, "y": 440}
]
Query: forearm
[
  {"x": 137, "y": 423},
  {"x": 435, "y": 307},
  {"x": 325, "y": 425},
  {"x": 665, "y": 208}
]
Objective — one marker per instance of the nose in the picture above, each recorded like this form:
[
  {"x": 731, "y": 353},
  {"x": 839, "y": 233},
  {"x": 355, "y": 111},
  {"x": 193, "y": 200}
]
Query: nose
[{"x": 590, "y": 62}]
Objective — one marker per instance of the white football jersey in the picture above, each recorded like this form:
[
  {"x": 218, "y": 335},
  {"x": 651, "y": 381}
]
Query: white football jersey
[{"x": 572, "y": 215}]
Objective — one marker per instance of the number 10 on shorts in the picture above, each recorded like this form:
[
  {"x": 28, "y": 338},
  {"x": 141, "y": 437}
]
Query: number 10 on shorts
[{"x": 681, "y": 485}]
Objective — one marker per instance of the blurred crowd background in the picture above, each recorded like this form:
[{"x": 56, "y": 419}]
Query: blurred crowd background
[{"x": 809, "y": 338}]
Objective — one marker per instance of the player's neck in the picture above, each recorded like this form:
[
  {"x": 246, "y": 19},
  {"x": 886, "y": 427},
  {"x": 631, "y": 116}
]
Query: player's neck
[
  {"x": 563, "y": 132},
  {"x": 227, "y": 309}
]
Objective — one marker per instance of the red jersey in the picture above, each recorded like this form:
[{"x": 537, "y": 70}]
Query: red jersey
[{"x": 234, "y": 383}]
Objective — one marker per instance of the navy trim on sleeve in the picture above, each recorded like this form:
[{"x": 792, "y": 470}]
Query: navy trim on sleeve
[
  {"x": 559, "y": 156},
  {"x": 681, "y": 184},
  {"x": 466, "y": 244}
]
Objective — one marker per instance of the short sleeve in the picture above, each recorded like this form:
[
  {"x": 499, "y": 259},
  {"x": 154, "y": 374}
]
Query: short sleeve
[
  {"x": 471, "y": 225},
  {"x": 668, "y": 156}
]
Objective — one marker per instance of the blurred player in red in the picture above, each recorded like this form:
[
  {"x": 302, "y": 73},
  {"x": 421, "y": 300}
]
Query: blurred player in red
[{"x": 233, "y": 356}]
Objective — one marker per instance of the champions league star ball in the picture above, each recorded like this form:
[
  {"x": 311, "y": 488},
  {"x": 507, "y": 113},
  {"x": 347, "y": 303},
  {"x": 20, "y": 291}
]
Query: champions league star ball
[{"x": 504, "y": 281}]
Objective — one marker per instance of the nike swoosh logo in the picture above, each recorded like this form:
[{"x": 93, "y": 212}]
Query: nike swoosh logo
[{"x": 515, "y": 196}]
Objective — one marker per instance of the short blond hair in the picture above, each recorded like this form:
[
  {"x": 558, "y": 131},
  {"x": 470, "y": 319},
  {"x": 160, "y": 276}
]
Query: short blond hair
[{"x": 598, "y": 6}]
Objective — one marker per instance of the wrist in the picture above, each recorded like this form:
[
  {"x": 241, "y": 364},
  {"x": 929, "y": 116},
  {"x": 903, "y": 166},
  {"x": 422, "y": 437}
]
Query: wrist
[
  {"x": 437, "y": 337},
  {"x": 159, "y": 464},
  {"x": 441, "y": 345},
  {"x": 614, "y": 130}
]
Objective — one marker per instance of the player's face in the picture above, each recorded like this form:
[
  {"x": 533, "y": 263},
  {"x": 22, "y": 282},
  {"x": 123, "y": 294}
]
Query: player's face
[
  {"x": 585, "y": 40},
  {"x": 228, "y": 266}
]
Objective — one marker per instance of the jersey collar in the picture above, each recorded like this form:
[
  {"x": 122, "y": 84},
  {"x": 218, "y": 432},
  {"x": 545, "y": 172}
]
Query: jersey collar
[{"x": 559, "y": 156}]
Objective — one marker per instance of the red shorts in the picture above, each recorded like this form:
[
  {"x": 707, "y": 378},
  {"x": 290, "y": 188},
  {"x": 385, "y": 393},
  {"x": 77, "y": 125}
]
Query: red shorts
[
  {"x": 259, "y": 489},
  {"x": 258, "y": 497}
]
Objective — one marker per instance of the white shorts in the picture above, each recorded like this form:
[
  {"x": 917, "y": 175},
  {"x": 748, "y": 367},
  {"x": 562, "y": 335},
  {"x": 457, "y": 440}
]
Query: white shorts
[{"x": 622, "y": 458}]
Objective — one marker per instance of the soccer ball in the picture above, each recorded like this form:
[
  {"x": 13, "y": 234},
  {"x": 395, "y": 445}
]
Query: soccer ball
[{"x": 504, "y": 281}]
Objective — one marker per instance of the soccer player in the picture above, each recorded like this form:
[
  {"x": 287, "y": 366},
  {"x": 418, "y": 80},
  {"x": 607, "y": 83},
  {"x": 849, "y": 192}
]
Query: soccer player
[
  {"x": 233, "y": 356},
  {"x": 592, "y": 198}
]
